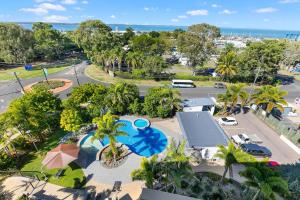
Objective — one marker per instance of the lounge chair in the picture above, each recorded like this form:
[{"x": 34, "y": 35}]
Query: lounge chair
[{"x": 117, "y": 186}]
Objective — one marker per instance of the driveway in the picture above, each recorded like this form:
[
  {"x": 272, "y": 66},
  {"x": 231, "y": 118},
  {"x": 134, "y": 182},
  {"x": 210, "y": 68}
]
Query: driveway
[{"x": 250, "y": 124}]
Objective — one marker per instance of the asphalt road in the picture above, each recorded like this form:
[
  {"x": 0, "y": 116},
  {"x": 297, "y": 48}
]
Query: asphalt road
[{"x": 10, "y": 90}]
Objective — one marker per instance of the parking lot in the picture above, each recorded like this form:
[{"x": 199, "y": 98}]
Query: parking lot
[{"x": 250, "y": 124}]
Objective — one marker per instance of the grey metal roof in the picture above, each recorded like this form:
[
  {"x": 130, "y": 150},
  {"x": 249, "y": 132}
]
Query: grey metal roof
[
  {"x": 148, "y": 194},
  {"x": 201, "y": 130},
  {"x": 198, "y": 102}
]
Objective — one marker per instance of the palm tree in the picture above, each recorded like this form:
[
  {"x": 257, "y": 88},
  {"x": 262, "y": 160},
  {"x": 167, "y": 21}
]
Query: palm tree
[
  {"x": 107, "y": 126},
  {"x": 134, "y": 60},
  {"x": 226, "y": 65},
  {"x": 148, "y": 172},
  {"x": 120, "y": 96},
  {"x": 232, "y": 155},
  {"x": 272, "y": 96},
  {"x": 225, "y": 99},
  {"x": 176, "y": 153},
  {"x": 266, "y": 180},
  {"x": 120, "y": 55}
]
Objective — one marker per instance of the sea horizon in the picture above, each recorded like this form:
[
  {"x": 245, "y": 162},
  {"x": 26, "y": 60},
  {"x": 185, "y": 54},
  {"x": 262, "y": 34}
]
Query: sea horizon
[{"x": 225, "y": 31}]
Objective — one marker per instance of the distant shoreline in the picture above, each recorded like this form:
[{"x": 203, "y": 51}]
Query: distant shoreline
[{"x": 225, "y": 31}]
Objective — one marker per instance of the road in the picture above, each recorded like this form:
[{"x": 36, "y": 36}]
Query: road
[{"x": 10, "y": 90}]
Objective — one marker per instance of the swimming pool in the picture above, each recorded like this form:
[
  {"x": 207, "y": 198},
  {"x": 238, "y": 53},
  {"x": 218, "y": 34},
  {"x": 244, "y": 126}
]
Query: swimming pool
[
  {"x": 144, "y": 142},
  {"x": 141, "y": 123}
]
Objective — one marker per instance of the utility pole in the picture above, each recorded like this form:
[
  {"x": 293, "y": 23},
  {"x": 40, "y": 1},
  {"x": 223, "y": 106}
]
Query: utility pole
[
  {"x": 256, "y": 76},
  {"x": 19, "y": 82},
  {"x": 76, "y": 74}
]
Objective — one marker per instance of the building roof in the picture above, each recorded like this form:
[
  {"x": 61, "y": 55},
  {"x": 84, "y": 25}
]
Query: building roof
[
  {"x": 201, "y": 130},
  {"x": 198, "y": 102},
  {"x": 148, "y": 194}
]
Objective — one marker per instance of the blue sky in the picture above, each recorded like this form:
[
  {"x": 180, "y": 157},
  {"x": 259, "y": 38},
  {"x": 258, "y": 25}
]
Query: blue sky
[{"x": 263, "y": 14}]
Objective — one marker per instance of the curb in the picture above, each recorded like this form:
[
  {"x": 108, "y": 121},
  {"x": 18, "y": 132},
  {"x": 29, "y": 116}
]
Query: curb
[{"x": 290, "y": 144}]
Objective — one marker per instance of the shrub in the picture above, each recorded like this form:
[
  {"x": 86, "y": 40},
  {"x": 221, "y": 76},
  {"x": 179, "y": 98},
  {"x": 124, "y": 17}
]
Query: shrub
[
  {"x": 138, "y": 73},
  {"x": 7, "y": 162},
  {"x": 136, "y": 107}
]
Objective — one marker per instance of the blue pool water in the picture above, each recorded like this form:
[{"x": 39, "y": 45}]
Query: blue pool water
[
  {"x": 141, "y": 123},
  {"x": 145, "y": 142}
]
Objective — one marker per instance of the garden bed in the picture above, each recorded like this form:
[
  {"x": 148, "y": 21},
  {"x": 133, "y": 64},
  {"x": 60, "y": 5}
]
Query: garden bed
[
  {"x": 107, "y": 160},
  {"x": 49, "y": 85}
]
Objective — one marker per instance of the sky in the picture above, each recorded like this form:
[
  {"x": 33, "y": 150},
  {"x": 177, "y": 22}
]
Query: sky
[{"x": 260, "y": 14}]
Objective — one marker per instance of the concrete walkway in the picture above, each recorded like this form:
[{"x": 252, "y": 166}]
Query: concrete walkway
[{"x": 17, "y": 186}]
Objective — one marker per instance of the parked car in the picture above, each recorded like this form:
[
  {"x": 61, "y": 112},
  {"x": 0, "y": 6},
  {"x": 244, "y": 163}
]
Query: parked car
[
  {"x": 240, "y": 139},
  {"x": 256, "y": 150},
  {"x": 220, "y": 86},
  {"x": 228, "y": 121}
]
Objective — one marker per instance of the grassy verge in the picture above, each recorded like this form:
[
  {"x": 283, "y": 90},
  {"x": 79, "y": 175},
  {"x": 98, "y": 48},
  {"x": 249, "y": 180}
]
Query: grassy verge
[
  {"x": 72, "y": 177},
  {"x": 22, "y": 73},
  {"x": 96, "y": 73}
]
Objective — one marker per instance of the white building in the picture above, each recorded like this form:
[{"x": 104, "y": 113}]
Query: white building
[{"x": 199, "y": 104}]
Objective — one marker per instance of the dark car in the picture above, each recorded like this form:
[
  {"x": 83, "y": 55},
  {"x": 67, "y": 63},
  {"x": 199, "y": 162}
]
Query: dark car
[
  {"x": 256, "y": 150},
  {"x": 220, "y": 85}
]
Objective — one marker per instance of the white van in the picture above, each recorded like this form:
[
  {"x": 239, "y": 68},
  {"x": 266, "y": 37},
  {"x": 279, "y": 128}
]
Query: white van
[{"x": 183, "y": 84}]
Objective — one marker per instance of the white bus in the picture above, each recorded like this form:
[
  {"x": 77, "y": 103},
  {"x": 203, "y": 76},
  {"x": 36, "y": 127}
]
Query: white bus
[{"x": 183, "y": 84}]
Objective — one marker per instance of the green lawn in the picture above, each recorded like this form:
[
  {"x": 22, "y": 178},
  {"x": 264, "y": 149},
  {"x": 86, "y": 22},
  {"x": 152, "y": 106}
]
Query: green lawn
[
  {"x": 22, "y": 73},
  {"x": 73, "y": 176}
]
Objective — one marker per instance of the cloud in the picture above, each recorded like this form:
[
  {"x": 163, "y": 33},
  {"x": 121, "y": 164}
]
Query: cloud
[
  {"x": 182, "y": 16},
  {"x": 42, "y": 1},
  {"x": 69, "y": 2},
  {"x": 50, "y": 6},
  {"x": 266, "y": 20},
  {"x": 288, "y": 1},
  {"x": 150, "y": 9},
  {"x": 266, "y": 10},
  {"x": 113, "y": 16},
  {"x": 216, "y": 6},
  {"x": 197, "y": 12},
  {"x": 84, "y": 2},
  {"x": 56, "y": 18},
  {"x": 37, "y": 11},
  {"x": 44, "y": 8},
  {"x": 227, "y": 12},
  {"x": 146, "y": 8},
  {"x": 175, "y": 20}
]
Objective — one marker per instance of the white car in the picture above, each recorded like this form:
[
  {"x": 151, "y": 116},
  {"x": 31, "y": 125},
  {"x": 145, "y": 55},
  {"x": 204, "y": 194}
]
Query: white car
[
  {"x": 228, "y": 121},
  {"x": 240, "y": 139}
]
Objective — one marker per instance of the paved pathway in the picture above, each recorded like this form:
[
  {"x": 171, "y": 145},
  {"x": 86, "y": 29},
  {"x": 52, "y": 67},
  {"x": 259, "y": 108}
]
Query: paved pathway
[{"x": 17, "y": 186}]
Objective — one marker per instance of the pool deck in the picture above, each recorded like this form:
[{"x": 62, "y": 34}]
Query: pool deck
[{"x": 102, "y": 179}]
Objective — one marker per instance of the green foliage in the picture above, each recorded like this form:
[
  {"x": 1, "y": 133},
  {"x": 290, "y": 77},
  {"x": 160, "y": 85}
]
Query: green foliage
[
  {"x": 291, "y": 173},
  {"x": 51, "y": 84},
  {"x": 266, "y": 180},
  {"x": 107, "y": 126},
  {"x": 36, "y": 112},
  {"x": 136, "y": 107},
  {"x": 197, "y": 44},
  {"x": 50, "y": 43},
  {"x": 128, "y": 35},
  {"x": 271, "y": 96},
  {"x": 71, "y": 120},
  {"x": 266, "y": 55},
  {"x": 7, "y": 162},
  {"x": 161, "y": 102},
  {"x": 119, "y": 96},
  {"x": 16, "y": 44},
  {"x": 148, "y": 45},
  {"x": 291, "y": 53},
  {"x": 154, "y": 65},
  {"x": 227, "y": 62}
]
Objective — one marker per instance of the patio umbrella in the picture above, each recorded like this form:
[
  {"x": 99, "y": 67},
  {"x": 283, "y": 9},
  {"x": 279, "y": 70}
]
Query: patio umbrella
[{"x": 61, "y": 156}]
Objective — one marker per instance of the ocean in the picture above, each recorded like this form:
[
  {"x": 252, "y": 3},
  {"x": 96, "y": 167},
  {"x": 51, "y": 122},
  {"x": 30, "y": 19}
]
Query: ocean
[{"x": 257, "y": 33}]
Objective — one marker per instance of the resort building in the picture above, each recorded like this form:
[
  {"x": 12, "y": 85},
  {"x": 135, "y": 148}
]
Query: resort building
[
  {"x": 199, "y": 104},
  {"x": 202, "y": 133}
]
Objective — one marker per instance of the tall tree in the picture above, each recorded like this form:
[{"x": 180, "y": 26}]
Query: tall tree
[
  {"x": 71, "y": 120},
  {"x": 120, "y": 95},
  {"x": 197, "y": 44},
  {"x": 227, "y": 64},
  {"x": 50, "y": 43},
  {"x": 16, "y": 44},
  {"x": 271, "y": 96},
  {"x": 262, "y": 58},
  {"x": 266, "y": 180},
  {"x": 107, "y": 126},
  {"x": 232, "y": 155},
  {"x": 154, "y": 65}
]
